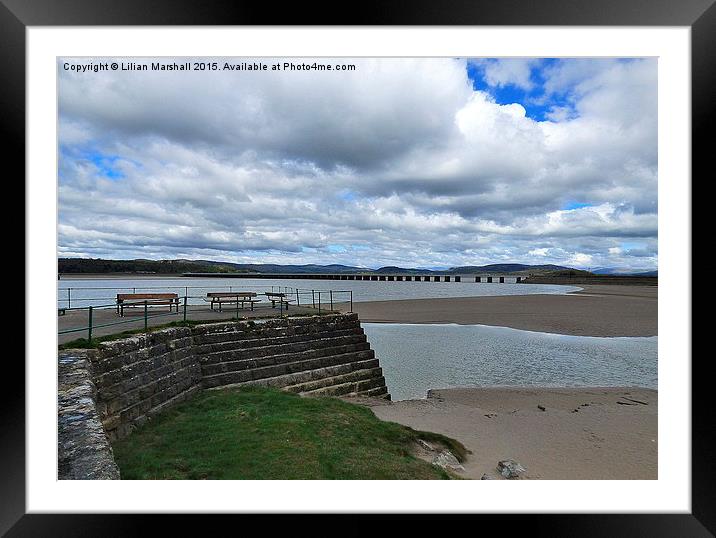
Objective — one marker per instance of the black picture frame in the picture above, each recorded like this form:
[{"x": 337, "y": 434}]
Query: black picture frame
[{"x": 16, "y": 15}]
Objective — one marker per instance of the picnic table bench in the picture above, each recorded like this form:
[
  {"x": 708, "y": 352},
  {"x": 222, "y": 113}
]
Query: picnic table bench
[
  {"x": 140, "y": 299},
  {"x": 237, "y": 297},
  {"x": 280, "y": 298}
]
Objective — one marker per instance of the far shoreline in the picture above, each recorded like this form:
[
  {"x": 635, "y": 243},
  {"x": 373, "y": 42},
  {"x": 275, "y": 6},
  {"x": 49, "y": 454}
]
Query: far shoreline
[{"x": 593, "y": 310}]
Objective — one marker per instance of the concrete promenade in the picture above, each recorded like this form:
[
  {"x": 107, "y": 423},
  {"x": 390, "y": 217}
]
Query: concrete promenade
[{"x": 159, "y": 315}]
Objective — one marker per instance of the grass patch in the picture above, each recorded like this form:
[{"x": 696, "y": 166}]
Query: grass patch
[{"x": 259, "y": 433}]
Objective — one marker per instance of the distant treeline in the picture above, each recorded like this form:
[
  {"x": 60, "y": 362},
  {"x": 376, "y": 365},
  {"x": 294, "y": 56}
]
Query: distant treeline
[{"x": 160, "y": 267}]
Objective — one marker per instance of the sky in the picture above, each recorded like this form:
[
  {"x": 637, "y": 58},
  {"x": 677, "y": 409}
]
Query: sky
[{"x": 414, "y": 162}]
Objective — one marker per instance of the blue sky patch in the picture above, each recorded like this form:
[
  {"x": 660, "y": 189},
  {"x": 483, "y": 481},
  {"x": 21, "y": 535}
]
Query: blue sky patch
[
  {"x": 569, "y": 206},
  {"x": 537, "y": 104},
  {"x": 105, "y": 164},
  {"x": 347, "y": 195}
]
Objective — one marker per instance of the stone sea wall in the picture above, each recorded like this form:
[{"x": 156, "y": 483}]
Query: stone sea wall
[
  {"x": 107, "y": 392},
  {"x": 83, "y": 450}
]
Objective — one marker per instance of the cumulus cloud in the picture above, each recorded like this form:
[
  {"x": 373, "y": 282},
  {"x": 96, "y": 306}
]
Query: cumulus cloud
[
  {"x": 506, "y": 71},
  {"x": 401, "y": 161}
]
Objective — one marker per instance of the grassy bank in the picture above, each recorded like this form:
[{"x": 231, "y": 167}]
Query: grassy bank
[{"x": 259, "y": 433}]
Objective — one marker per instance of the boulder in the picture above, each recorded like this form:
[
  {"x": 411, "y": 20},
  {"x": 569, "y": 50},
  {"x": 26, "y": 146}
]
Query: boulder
[
  {"x": 447, "y": 460},
  {"x": 510, "y": 468}
]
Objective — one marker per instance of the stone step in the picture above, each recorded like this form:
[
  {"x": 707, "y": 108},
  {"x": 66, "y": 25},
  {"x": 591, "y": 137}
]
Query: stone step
[
  {"x": 378, "y": 392},
  {"x": 356, "y": 387},
  {"x": 229, "y": 345},
  {"x": 285, "y": 380},
  {"x": 243, "y": 331},
  {"x": 295, "y": 372},
  {"x": 269, "y": 348},
  {"x": 356, "y": 375},
  {"x": 209, "y": 369}
]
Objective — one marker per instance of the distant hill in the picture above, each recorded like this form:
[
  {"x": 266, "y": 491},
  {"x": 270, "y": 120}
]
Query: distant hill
[
  {"x": 645, "y": 273},
  {"x": 623, "y": 271},
  {"x": 307, "y": 268},
  {"x": 508, "y": 268},
  {"x": 159, "y": 267},
  {"x": 166, "y": 267},
  {"x": 391, "y": 269}
]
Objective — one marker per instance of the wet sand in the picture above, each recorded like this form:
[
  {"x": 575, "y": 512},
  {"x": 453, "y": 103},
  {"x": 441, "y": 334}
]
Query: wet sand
[
  {"x": 597, "y": 310},
  {"x": 612, "y": 435}
]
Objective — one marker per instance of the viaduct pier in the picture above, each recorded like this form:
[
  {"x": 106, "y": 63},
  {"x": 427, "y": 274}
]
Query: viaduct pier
[{"x": 501, "y": 279}]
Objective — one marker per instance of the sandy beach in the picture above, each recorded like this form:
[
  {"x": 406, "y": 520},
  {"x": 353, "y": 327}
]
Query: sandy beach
[
  {"x": 597, "y": 310},
  {"x": 582, "y": 434}
]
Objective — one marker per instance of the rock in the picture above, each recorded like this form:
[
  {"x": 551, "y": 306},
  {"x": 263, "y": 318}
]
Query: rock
[
  {"x": 446, "y": 460},
  {"x": 541, "y": 408},
  {"x": 426, "y": 445},
  {"x": 510, "y": 468},
  {"x": 635, "y": 401},
  {"x": 487, "y": 477}
]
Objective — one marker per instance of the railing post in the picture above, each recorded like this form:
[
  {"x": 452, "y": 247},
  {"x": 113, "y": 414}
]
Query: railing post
[
  {"x": 298, "y": 299},
  {"x": 280, "y": 306},
  {"x": 145, "y": 316},
  {"x": 89, "y": 326},
  {"x": 319, "y": 302},
  {"x": 351, "y": 301},
  {"x": 185, "y": 308},
  {"x": 69, "y": 297},
  {"x": 330, "y": 294},
  {"x": 313, "y": 297}
]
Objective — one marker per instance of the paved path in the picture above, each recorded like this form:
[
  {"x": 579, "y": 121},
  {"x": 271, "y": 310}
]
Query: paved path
[{"x": 134, "y": 318}]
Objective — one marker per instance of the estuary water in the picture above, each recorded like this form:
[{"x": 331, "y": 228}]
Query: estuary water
[
  {"x": 416, "y": 358},
  {"x": 82, "y": 292}
]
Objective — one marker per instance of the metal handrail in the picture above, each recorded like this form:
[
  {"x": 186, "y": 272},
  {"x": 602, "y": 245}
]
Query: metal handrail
[
  {"x": 299, "y": 292},
  {"x": 316, "y": 302}
]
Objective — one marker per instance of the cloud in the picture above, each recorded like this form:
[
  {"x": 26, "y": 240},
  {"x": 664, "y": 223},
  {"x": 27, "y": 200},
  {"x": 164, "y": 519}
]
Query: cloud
[
  {"x": 579, "y": 259},
  {"x": 400, "y": 162},
  {"x": 508, "y": 71}
]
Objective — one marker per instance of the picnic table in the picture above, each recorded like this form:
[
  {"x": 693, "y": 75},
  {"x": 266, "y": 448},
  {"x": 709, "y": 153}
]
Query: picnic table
[
  {"x": 140, "y": 299},
  {"x": 280, "y": 298},
  {"x": 238, "y": 297}
]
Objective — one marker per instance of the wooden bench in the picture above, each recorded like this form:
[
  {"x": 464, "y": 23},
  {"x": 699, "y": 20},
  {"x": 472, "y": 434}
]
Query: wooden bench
[
  {"x": 140, "y": 299},
  {"x": 280, "y": 298},
  {"x": 238, "y": 297}
]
